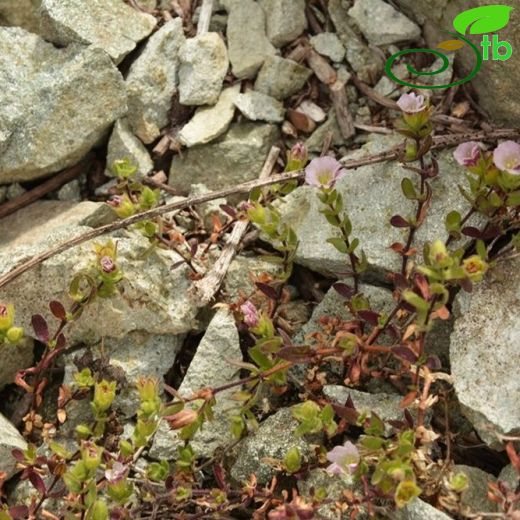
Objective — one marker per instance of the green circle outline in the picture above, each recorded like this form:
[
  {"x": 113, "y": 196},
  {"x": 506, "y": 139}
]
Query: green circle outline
[{"x": 469, "y": 77}]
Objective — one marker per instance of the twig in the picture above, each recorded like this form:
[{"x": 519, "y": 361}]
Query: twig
[
  {"x": 205, "y": 17},
  {"x": 338, "y": 93},
  {"x": 205, "y": 289},
  {"x": 441, "y": 141},
  {"x": 52, "y": 184}
]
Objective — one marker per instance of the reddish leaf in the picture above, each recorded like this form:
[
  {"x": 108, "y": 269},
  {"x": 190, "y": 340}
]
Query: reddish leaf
[
  {"x": 471, "y": 232},
  {"x": 230, "y": 210},
  {"x": 397, "y": 247},
  {"x": 58, "y": 310},
  {"x": 346, "y": 413},
  {"x": 19, "y": 512},
  {"x": 41, "y": 329},
  {"x": 408, "y": 399},
  {"x": 37, "y": 482},
  {"x": 18, "y": 455},
  {"x": 466, "y": 285},
  {"x": 300, "y": 354},
  {"x": 433, "y": 363},
  {"x": 399, "y": 222},
  {"x": 267, "y": 290},
  {"x": 513, "y": 456},
  {"x": 60, "y": 341},
  {"x": 409, "y": 419},
  {"x": 370, "y": 317},
  {"x": 405, "y": 353},
  {"x": 286, "y": 339},
  {"x": 422, "y": 284},
  {"x": 344, "y": 290},
  {"x": 220, "y": 476}
]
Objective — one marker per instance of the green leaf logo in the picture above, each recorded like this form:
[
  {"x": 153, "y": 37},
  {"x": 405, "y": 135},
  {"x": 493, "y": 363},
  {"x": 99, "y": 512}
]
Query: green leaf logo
[{"x": 481, "y": 20}]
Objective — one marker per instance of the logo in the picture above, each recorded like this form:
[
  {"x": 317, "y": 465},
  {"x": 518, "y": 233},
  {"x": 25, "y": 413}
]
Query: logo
[{"x": 480, "y": 20}]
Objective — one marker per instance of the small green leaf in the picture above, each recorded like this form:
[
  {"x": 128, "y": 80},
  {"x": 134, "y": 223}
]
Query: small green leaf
[
  {"x": 414, "y": 299},
  {"x": 408, "y": 189},
  {"x": 453, "y": 221},
  {"x": 481, "y": 20},
  {"x": 339, "y": 244}
]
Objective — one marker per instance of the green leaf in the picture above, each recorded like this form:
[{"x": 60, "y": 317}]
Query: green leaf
[
  {"x": 339, "y": 244},
  {"x": 453, "y": 221},
  {"x": 372, "y": 443},
  {"x": 513, "y": 199},
  {"x": 481, "y": 20},
  {"x": 414, "y": 299},
  {"x": 408, "y": 189}
]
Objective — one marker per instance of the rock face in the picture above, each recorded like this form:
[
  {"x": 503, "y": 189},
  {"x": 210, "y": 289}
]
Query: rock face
[
  {"x": 204, "y": 64},
  {"x": 419, "y": 509},
  {"x": 280, "y": 78},
  {"x": 10, "y": 439},
  {"x": 497, "y": 82},
  {"x": 273, "y": 439},
  {"x": 483, "y": 350},
  {"x": 23, "y": 13},
  {"x": 260, "y": 107},
  {"x": 152, "y": 81},
  {"x": 246, "y": 35},
  {"x": 47, "y": 118},
  {"x": 372, "y": 195},
  {"x": 110, "y": 24},
  {"x": 123, "y": 144},
  {"x": 365, "y": 62},
  {"x": 153, "y": 298},
  {"x": 382, "y": 24},
  {"x": 236, "y": 157},
  {"x": 14, "y": 358},
  {"x": 474, "y": 498},
  {"x": 286, "y": 20},
  {"x": 208, "y": 123},
  {"x": 210, "y": 367},
  {"x": 328, "y": 44}
]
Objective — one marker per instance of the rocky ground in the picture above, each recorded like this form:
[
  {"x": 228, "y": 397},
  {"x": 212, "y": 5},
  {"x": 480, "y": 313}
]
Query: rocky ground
[{"x": 197, "y": 95}]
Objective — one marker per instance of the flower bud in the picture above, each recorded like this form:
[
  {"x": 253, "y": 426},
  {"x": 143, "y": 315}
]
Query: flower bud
[
  {"x": 293, "y": 460},
  {"x": 104, "y": 395},
  {"x": 296, "y": 157},
  {"x": 14, "y": 334},
  {"x": 91, "y": 455},
  {"x": 6, "y": 316},
  {"x": 107, "y": 265},
  {"x": 475, "y": 268},
  {"x": 183, "y": 418},
  {"x": 99, "y": 510},
  {"x": 122, "y": 206},
  {"x": 438, "y": 254}
]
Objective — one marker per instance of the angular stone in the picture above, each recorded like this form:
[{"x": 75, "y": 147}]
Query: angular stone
[
  {"x": 260, "y": 107},
  {"x": 372, "y": 195},
  {"x": 208, "y": 123},
  {"x": 236, "y": 157},
  {"x": 152, "y": 81},
  {"x": 48, "y": 117},
  {"x": 365, "y": 62},
  {"x": 246, "y": 36},
  {"x": 123, "y": 144},
  {"x": 10, "y": 439},
  {"x": 204, "y": 64},
  {"x": 70, "y": 191},
  {"x": 474, "y": 498},
  {"x": 419, "y": 510},
  {"x": 273, "y": 439},
  {"x": 382, "y": 24},
  {"x": 110, "y": 24},
  {"x": 210, "y": 367},
  {"x": 483, "y": 350},
  {"x": 328, "y": 44},
  {"x": 14, "y": 358},
  {"x": 315, "y": 142},
  {"x": 22, "y": 13},
  {"x": 285, "y": 19},
  {"x": 153, "y": 297},
  {"x": 280, "y": 78},
  {"x": 138, "y": 354}
]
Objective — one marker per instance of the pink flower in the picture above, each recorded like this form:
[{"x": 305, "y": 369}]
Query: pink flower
[
  {"x": 468, "y": 154},
  {"x": 411, "y": 103},
  {"x": 116, "y": 473},
  {"x": 115, "y": 201},
  {"x": 107, "y": 264},
  {"x": 507, "y": 157},
  {"x": 345, "y": 459},
  {"x": 250, "y": 313},
  {"x": 323, "y": 172}
]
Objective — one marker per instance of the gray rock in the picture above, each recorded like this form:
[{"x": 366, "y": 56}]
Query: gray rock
[
  {"x": 280, "y": 77},
  {"x": 315, "y": 142},
  {"x": 497, "y": 84},
  {"x": 242, "y": 272},
  {"x": 204, "y": 64},
  {"x": 382, "y": 24},
  {"x": 138, "y": 354},
  {"x": 511, "y": 476},
  {"x": 328, "y": 44},
  {"x": 15, "y": 190},
  {"x": 210, "y": 208},
  {"x": 23, "y": 13},
  {"x": 70, "y": 191},
  {"x": 319, "y": 480},
  {"x": 153, "y": 297},
  {"x": 474, "y": 498},
  {"x": 10, "y": 439},
  {"x": 48, "y": 120},
  {"x": 236, "y": 157},
  {"x": 260, "y": 107},
  {"x": 419, "y": 510},
  {"x": 370, "y": 208},
  {"x": 246, "y": 36},
  {"x": 110, "y": 24},
  {"x": 273, "y": 439},
  {"x": 208, "y": 123},
  {"x": 386, "y": 87},
  {"x": 152, "y": 81},
  {"x": 365, "y": 62},
  {"x": 285, "y": 19},
  {"x": 483, "y": 352},
  {"x": 14, "y": 358},
  {"x": 123, "y": 144},
  {"x": 210, "y": 367}
]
